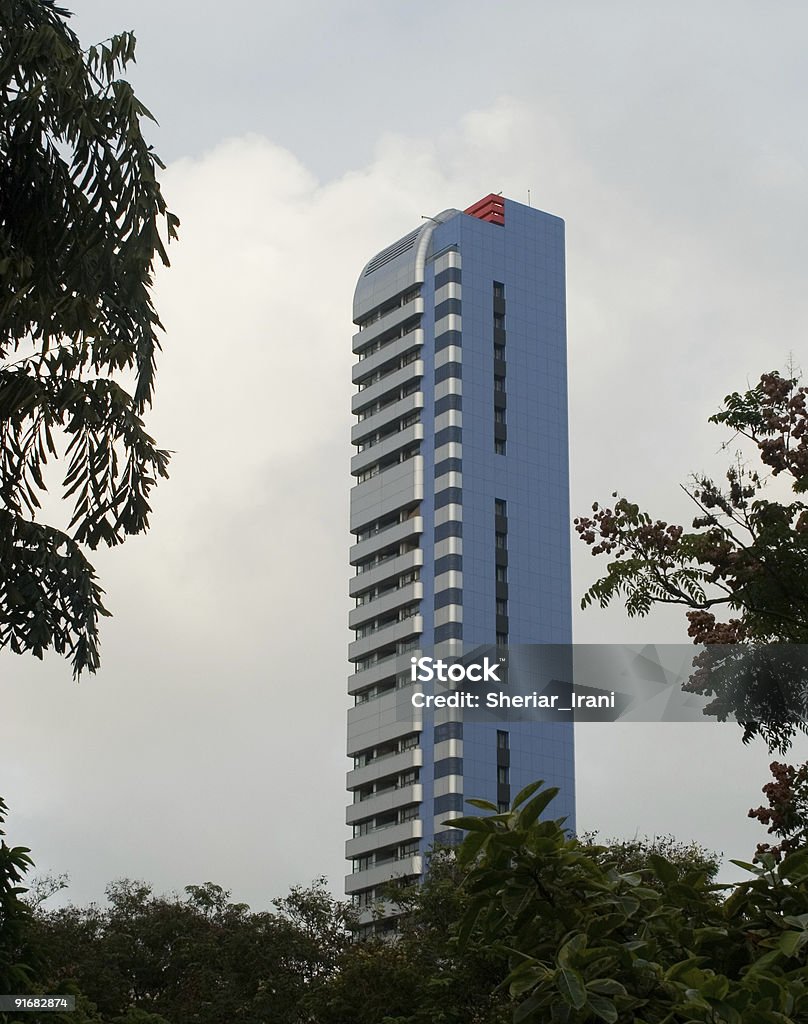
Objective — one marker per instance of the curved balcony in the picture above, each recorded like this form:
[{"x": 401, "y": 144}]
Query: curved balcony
[
  {"x": 389, "y": 446},
  {"x": 392, "y": 634},
  {"x": 389, "y": 835},
  {"x": 394, "y": 534},
  {"x": 393, "y": 411},
  {"x": 386, "y": 603},
  {"x": 394, "y": 349},
  {"x": 393, "y": 381},
  {"x": 379, "y": 327},
  {"x": 381, "y": 802},
  {"x": 407, "y": 867},
  {"x": 389, "y": 765}
]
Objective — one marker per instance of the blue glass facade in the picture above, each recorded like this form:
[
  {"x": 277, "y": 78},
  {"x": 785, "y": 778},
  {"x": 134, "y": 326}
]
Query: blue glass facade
[{"x": 481, "y": 327}]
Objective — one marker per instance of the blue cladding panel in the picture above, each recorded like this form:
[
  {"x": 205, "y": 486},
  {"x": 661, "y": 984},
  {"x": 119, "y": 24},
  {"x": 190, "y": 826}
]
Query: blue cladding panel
[{"x": 527, "y": 255}]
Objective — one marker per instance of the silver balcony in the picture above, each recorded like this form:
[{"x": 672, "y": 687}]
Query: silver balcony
[
  {"x": 396, "y": 316},
  {"x": 407, "y": 867},
  {"x": 386, "y": 801},
  {"x": 393, "y": 381},
  {"x": 382, "y": 766},
  {"x": 388, "y": 835},
  {"x": 388, "y": 602},
  {"x": 412, "y": 527}
]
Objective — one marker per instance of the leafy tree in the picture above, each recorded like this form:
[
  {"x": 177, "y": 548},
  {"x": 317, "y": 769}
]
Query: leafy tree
[
  {"x": 636, "y": 854},
  {"x": 787, "y": 813},
  {"x": 80, "y": 221},
  {"x": 418, "y": 978},
  {"x": 16, "y": 955},
  {"x": 745, "y": 558},
  {"x": 201, "y": 957},
  {"x": 588, "y": 942},
  {"x": 426, "y": 976},
  {"x": 42, "y": 887}
]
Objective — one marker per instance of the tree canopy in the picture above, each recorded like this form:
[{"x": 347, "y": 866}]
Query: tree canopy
[
  {"x": 82, "y": 220},
  {"x": 521, "y": 923},
  {"x": 741, "y": 570},
  {"x": 16, "y": 959},
  {"x": 588, "y": 941}
]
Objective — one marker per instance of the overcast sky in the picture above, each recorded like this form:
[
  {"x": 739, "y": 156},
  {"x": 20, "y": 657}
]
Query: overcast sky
[{"x": 300, "y": 139}]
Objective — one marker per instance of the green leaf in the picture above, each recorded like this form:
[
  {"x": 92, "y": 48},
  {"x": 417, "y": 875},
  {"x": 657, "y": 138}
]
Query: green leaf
[
  {"x": 792, "y": 942},
  {"x": 470, "y": 847},
  {"x": 525, "y": 1011},
  {"x": 603, "y": 1008},
  {"x": 764, "y": 962},
  {"x": 484, "y": 805},
  {"x": 686, "y": 971},
  {"x": 715, "y": 987},
  {"x": 471, "y": 824},
  {"x": 516, "y": 899},
  {"x": 606, "y": 987},
  {"x": 531, "y": 811},
  {"x": 469, "y": 920},
  {"x": 571, "y": 949},
  {"x": 662, "y": 868},
  {"x": 526, "y": 977},
  {"x": 571, "y": 986},
  {"x": 795, "y": 866},
  {"x": 528, "y": 791}
]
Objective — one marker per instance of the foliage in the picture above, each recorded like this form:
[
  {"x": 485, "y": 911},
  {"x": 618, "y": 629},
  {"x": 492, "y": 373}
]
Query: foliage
[
  {"x": 200, "y": 957},
  {"x": 42, "y": 887},
  {"x": 589, "y": 942},
  {"x": 787, "y": 813},
  {"x": 80, "y": 220},
  {"x": 746, "y": 554},
  {"x": 481, "y": 938},
  {"x": 627, "y": 855},
  {"x": 15, "y": 915},
  {"x": 419, "y": 977}
]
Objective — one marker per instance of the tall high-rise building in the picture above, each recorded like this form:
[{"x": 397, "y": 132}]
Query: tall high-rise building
[{"x": 460, "y": 514}]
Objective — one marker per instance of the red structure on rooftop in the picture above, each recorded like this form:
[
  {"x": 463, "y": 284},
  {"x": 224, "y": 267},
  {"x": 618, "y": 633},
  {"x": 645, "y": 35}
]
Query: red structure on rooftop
[{"x": 491, "y": 209}]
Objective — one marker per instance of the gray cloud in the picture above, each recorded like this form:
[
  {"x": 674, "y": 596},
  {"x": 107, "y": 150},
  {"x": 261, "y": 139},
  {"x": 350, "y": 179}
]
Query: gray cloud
[{"x": 211, "y": 746}]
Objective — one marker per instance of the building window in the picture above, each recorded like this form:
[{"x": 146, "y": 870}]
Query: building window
[
  {"x": 499, "y": 290},
  {"x": 502, "y": 807},
  {"x": 499, "y": 383},
  {"x": 499, "y": 446},
  {"x": 448, "y": 731},
  {"x": 502, "y": 639},
  {"x": 503, "y": 775},
  {"x": 448, "y": 802},
  {"x": 500, "y": 507},
  {"x": 502, "y": 607},
  {"x": 501, "y": 539},
  {"x": 502, "y": 574},
  {"x": 499, "y": 321},
  {"x": 502, "y": 740},
  {"x": 499, "y": 351},
  {"x": 366, "y": 898},
  {"x": 448, "y": 766}
]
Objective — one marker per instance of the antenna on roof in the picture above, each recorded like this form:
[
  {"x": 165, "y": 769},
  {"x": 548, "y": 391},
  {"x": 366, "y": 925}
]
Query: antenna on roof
[{"x": 528, "y": 197}]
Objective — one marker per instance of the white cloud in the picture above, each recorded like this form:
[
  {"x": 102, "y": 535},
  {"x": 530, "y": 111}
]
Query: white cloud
[{"x": 211, "y": 745}]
